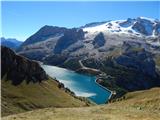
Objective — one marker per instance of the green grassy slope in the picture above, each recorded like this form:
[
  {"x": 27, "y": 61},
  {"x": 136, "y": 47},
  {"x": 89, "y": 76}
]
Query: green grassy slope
[
  {"x": 25, "y": 97},
  {"x": 141, "y": 105}
]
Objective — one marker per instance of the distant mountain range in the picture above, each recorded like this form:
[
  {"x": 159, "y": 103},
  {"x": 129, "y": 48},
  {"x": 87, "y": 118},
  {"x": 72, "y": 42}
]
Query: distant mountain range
[
  {"x": 127, "y": 51},
  {"x": 58, "y": 40},
  {"x": 11, "y": 43},
  {"x": 139, "y": 26}
]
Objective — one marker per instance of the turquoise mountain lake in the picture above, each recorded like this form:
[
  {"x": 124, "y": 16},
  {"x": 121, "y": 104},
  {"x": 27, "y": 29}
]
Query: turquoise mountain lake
[{"x": 81, "y": 85}]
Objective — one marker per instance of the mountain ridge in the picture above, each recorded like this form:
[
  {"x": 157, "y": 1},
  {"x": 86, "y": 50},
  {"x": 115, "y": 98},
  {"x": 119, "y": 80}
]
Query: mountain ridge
[
  {"x": 11, "y": 43},
  {"x": 124, "y": 55}
]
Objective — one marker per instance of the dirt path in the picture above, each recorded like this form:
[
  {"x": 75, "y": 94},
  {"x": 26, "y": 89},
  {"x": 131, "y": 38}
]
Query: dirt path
[{"x": 87, "y": 68}]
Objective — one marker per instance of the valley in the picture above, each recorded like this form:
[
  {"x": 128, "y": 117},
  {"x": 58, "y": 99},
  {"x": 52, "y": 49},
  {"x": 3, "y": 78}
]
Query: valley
[
  {"x": 99, "y": 71},
  {"x": 25, "y": 86},
  {"x": 123, "y": 53}
]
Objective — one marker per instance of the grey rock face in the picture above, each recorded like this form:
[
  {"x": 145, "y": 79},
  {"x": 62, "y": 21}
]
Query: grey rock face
[
  {"x": 127, "y": 23},
  {"x": 44, "y": 33},
  {"x": 143, "y": 26},
  {"x": 17, "y": 68},
  {"x": 70, "y": 37},
  {"x": 140, "y": 60},
  {"x": 99, "y": 40},
  {"x": 157, "y": 29}
]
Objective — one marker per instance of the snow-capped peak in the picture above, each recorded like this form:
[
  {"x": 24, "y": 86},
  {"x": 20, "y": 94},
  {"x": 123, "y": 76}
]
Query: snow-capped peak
[
  {"x": 146, "y": 18},
  {"x": 140, "y": 26}
]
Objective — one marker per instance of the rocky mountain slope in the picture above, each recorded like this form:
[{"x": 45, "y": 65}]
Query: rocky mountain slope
[
  {"x": 17, "y": 68},
  {"x": 11, "y": 43},
  {"x": 25, "y": 86},
  {"x": 125, "y": 51},
  {"x": 92, "y": 40},
  {"x": 141, "y": 105}
]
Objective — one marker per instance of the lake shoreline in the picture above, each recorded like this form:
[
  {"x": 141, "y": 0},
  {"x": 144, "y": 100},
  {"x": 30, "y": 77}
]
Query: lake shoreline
[
  {"x": 98, "y": 72},
  {"x": 107, "y": 92},
  {"x": 111, "y": 92}
]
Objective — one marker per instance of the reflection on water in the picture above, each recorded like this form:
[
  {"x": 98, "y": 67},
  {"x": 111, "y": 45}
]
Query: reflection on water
[{"x": 81, "y": 85}]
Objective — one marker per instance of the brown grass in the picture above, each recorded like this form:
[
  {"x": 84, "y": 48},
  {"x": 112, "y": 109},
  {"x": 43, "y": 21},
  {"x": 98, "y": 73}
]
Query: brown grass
[
  {"x": 141, "y": 105},
  {"x": 25, "y": 97}
]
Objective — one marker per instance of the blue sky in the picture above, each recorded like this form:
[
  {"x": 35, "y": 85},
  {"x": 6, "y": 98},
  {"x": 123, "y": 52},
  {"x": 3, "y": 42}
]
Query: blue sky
[{"x": 22, "y": 19}]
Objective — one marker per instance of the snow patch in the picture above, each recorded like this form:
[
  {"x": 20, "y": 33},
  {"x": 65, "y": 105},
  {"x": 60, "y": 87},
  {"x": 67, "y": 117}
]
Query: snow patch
[{"x": 146, "y": 18}]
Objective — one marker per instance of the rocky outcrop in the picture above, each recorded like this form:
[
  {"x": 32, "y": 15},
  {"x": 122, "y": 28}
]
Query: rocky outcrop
[
  {"x": 139, "y": 60},
  {"x": 17, "y": 68},
  {"x": 127, "y": 23},
  {"x": 143, "y": 26},
  {"x": 157, "y": 29},
  {"x": 70, "y": 37},
  {"x": 55, "y": 59},
  {"x": 99, "y": 40}
]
